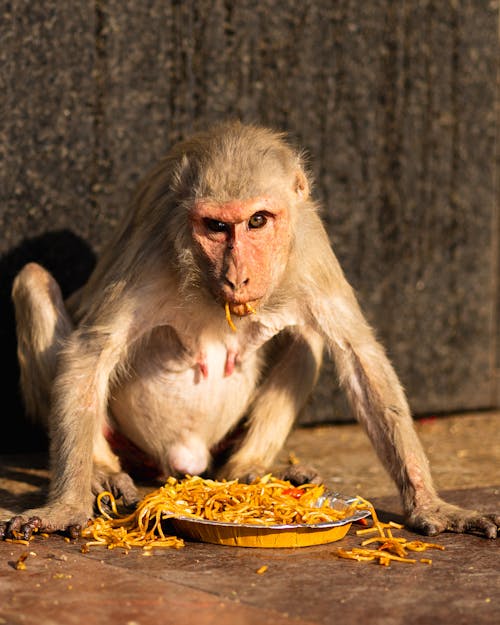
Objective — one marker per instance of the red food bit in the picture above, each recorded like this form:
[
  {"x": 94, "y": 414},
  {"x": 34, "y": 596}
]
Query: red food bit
[{"x": 294, "y": 492}]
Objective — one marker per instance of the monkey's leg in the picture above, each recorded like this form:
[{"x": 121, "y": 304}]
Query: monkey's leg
[
  {"x": 42, "y": 324},
  {"x": 275, "y": 407}
]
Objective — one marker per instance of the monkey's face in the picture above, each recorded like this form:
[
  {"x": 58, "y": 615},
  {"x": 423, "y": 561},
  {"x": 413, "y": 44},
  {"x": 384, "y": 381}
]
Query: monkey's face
[{"x": 244, "y": 246}]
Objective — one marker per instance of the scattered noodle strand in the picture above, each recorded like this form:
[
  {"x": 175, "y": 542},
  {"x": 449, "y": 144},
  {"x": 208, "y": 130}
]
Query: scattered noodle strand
[{"x": 390, "y": 548}]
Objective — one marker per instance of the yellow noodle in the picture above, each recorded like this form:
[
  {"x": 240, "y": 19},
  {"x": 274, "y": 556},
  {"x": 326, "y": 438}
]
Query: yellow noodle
[
  {"x": 391, "y": 548},
  {"x": 228, "y": 317}
]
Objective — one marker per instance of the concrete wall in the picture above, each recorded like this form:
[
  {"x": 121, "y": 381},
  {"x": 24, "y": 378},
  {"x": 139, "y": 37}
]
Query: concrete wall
[{"x": 395, "y": 102}]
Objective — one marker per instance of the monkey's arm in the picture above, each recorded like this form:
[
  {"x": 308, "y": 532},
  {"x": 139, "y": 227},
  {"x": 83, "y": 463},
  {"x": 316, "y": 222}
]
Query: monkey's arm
[{"x": 379, "y": 403}]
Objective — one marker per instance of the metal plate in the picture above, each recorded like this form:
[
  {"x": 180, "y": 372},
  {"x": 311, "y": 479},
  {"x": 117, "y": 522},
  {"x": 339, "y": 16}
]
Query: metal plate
[{"x": 271, "y": 536}]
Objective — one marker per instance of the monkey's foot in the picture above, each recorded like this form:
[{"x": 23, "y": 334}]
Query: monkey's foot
[
  {"x": 51, "y": 518},
  {"x": 119, "y": 484},
  {"x": 440, "y": 517}
]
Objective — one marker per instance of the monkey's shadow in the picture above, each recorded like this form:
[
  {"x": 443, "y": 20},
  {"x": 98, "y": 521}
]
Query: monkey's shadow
[
  {"x": 70, "y": 260},
  {"x": 25, "y": 481}
]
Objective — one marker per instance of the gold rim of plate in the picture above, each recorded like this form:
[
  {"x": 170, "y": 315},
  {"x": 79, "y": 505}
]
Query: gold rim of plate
[{"x": 270, "y": 536}]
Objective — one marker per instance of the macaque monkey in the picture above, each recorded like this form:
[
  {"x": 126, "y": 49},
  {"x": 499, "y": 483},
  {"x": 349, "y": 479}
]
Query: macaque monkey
[{"x": 212, "y": 306}]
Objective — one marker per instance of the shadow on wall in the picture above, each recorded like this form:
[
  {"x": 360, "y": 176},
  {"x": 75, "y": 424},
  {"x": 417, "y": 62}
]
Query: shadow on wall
[{"x": 70, "y": 260}]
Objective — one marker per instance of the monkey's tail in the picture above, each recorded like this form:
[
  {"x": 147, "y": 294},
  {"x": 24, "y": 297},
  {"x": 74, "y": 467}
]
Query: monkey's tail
[{"x": 42, "y": 325}]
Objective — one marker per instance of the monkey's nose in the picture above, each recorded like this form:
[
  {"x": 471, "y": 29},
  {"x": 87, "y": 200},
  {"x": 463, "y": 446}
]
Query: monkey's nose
[{"x": 236, "y": 285}]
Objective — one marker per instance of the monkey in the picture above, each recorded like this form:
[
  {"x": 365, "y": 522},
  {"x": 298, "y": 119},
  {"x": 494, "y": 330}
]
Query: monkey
[{"x": 212, "y": 306}]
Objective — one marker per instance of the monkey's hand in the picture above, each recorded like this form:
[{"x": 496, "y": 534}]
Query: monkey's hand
[
  {"x": 51, "y": 518},
  {"x": 119, "y": 484},
  {"x": 300, "y": 474},
  {"x": 244, "y": 472},
  {"x": 439, "y": 516},
  {"x": 297, "y": 473}
]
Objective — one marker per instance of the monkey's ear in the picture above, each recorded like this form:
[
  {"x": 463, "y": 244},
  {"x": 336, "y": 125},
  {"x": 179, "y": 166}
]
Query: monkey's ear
[
  {"x": 301, "y": 185},
  {"x": 182, "y": 173}
]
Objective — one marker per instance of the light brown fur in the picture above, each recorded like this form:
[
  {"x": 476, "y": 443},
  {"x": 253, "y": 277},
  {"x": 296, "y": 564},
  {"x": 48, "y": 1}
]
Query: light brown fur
[{"x": 144, "y": 346}]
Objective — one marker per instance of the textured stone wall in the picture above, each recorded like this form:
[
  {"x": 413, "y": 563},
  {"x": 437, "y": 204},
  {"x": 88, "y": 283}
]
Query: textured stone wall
[{"x": 395, "y": 103}]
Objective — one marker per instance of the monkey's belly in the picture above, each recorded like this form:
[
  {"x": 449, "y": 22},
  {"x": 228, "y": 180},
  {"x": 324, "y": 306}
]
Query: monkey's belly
[{"x": 175, "y": 415}]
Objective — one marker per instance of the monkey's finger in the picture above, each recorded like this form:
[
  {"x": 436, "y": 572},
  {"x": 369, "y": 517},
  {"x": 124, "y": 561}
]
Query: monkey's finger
[
  {"x": 427, "y": 528},
  {"x": 487, "y": 525},
  {"x": 123, "y": 486},
  {"x": 132, "y": 504},
  {"x": 491, "y": 531},
  {"x": 33, "y": 524},
  {"x": 300, "y": 474},
  {"x": 19, "y": 528},
  {"x": 13, "y": 527},
  {"x": 105, "y": 501},
  {"x": 74, "y": 531},
  {"x": 474, "y": 523},
  {"x": 104, "y": 505}
]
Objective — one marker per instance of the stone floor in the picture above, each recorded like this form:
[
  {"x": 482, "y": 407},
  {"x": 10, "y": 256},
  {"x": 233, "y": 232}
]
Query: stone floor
[{"x": 208, "y": 584}]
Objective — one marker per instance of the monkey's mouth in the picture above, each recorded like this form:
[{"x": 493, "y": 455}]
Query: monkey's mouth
[{"x": 242, "y": 310}]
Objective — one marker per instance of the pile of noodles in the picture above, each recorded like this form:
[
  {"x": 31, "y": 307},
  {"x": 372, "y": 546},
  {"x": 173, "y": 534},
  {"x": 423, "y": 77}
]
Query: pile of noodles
[{"x": 266, "y": 501}]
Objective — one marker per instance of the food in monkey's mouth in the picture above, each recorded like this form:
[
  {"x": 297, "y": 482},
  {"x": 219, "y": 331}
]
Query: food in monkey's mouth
[
  {"x": 269, "y": 512},
  {"x": 240, "y": 310}
]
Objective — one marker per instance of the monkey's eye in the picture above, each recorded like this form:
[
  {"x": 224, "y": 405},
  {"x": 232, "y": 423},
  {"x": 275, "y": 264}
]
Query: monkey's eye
[
  {"x": 257, "y": 221},
  {"x": 215, "y": 226}
]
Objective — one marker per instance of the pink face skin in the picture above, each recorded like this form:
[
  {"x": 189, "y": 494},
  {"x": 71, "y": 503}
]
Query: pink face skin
[{"x": 245, "y": 242}]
